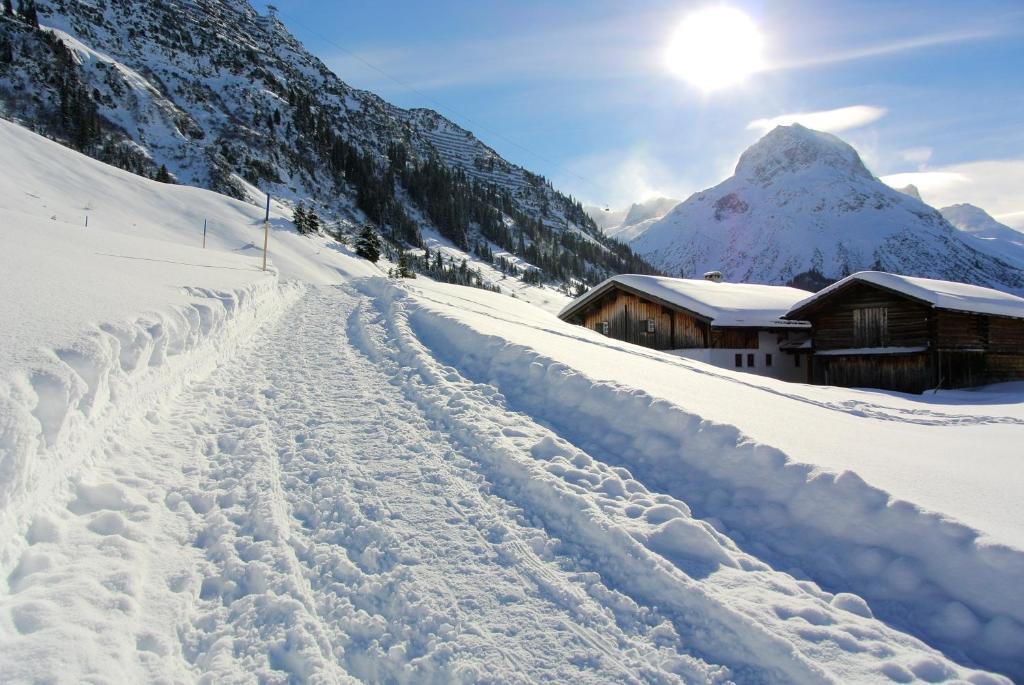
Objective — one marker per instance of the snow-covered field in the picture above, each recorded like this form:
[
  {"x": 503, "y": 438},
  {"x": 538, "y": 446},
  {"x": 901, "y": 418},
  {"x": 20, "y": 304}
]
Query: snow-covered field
[{"x": 209, "y": 472}]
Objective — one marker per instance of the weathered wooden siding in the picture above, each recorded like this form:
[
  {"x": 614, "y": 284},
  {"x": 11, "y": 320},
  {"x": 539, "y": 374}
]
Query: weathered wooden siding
[
  {"x": 1004, "y": 367},
  {"x": 961, "y": 331},
  {"x": 689, "y": 332},
  {"x": 834, "y": 327},
  {"x": 963, "y": 349},
  {"x": 1006, "y": 336},
  {"x": 734, "y": 339},
  {"x": 1005, "y": 360},
  {"x": 959, "y": 369},
  {"x": 626, "y": 314},
  {"x": 903, "y": 372}
]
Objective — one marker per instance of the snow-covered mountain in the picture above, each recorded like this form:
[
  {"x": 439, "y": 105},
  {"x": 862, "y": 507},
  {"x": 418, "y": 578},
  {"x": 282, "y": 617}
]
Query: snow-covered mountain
[
  {"x": 802, "y": 207},
  {"x": 649, "y": 209},
  {"x": 988, "y": 234},
  {"x": 978, "y": 222},
  {"x": 625, "y": 224},
  {"x": 226, "y": 99},
  {"x": 911, "y": 190}
]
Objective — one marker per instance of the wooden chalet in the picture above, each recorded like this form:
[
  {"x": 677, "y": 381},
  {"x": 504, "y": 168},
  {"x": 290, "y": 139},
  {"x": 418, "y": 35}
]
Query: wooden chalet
[
  {"x": 732, "y": 325},
  {"x": 880, "y": 330}
]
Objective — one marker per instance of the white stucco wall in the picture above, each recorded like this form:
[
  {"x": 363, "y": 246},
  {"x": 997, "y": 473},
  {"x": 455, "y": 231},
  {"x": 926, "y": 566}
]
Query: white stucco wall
[{"x": 783, "y": 365}]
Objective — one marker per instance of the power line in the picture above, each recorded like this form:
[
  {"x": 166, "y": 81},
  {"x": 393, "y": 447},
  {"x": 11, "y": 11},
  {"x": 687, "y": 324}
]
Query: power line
[{"x": 479, "y": 126}]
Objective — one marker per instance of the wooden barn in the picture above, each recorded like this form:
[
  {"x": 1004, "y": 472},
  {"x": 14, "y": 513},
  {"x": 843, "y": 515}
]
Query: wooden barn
[
  {"x": 881, "y": 330},
  {"x": 732, "y": 325}
]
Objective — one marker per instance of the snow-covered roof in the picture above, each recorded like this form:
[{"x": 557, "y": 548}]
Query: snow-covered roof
[
  {"x": 959, "y": 297},
  {"x": 724, "y": 304}
]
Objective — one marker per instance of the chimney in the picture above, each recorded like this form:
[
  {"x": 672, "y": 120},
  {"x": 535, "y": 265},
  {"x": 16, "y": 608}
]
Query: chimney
[{"x": 713, "y": 276}]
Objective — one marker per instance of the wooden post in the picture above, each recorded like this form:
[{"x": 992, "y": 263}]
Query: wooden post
[
  {"x": 266, "y": 232},
  {"x": 204, "y": 234},
  {"x": 87, "y": 221}
]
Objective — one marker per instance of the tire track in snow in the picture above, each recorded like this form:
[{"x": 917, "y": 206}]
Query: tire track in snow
[{"x": 329, "y": 534}]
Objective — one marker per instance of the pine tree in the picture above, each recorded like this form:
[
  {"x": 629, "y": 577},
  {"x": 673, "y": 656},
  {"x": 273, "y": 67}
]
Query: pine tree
[
  {"x": 368, "y": 245},
  {"x": 162, "y": 175},
  {"x": 29, "y": 14},
  {"x": 313, "y": 223},
  {"x": 8, "y": 8},
  {"x": 300, "y": 218},
  {"x": 404, "y": 270}
]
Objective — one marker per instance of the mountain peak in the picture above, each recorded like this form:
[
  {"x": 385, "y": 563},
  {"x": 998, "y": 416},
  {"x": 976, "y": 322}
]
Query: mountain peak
[
  {"x": 975, "y": 220},
  {"x": 911, "y": 190},
  {"x": 796, "y": 148}
]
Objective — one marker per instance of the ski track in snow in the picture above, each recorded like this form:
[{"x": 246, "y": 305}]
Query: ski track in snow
[{"x": 352, "y": 509}]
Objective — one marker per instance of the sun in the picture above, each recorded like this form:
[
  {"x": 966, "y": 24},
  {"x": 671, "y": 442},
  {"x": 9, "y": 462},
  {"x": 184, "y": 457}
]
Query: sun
[{"x": 714, "y": 48}]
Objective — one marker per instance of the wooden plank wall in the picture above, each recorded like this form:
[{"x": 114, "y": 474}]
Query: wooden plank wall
[
  {"x": 961, "y": 331},
  {"x": 964, "y": 349},
  {"x": 734, "y": 339},
  {"x": 625, "y": 314},
  {"x": 1005, "y": 360},
  {"x": 905, "y": 373},
  {"x": 1006, "y": 336},
  {"x": 834, "y": 326}
]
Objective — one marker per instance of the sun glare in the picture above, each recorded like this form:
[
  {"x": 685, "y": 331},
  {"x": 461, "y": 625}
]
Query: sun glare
[{"x": 715, "y": 48}]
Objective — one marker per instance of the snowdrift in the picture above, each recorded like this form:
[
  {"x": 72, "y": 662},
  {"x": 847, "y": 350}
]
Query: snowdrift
[
  {"x": 918, "y": 569},
  {"x": 637, "y": 542},
  {"x": 102, "y": 321},
  {"x": 115, "y": 330}
]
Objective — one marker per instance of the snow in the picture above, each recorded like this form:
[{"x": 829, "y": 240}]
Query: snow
[
  {"x": 989, "y": 235},
  {"x": 802, "y": 201},
  {"x": 315, "y": 474},
  {"x": 875, "y": 486},
  {"x": 960, "y": 297},
  {"x": 869, "y": 350},
  {"x": 626, "y": 224},
  {"x": 546, "y": 297},
  {"x": 725, "y": 304}
]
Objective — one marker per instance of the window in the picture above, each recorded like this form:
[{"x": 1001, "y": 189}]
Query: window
[
  {"x": 768, "y": 360},
  {"x": 648, "y": 325},
  {"x": 602, "y": 327},
  {"x": 739, "y": 361},
  {"x": 750, "y": 360},
  {"x": 871, "y": 327}
]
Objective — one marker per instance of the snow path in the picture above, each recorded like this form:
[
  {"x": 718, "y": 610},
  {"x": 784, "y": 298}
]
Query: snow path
[{"x": 335, "y": 504}]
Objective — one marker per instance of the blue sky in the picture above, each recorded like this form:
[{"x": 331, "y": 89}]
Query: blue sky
[{"x": 578, "y": 89}]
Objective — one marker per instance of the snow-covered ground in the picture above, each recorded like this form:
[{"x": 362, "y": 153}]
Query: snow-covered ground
[{"x": 214, "y": 473}]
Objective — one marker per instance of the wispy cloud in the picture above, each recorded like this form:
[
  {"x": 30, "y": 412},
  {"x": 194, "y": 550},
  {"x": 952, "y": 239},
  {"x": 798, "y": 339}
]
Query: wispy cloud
[
  {"x": 916, "y": 155},
  {"x": 892, "y": 47},
  {"x": 832, "y": 120},
  {"x": 994, "y": 185},
  {"x": 621, "y": 177},
  {"x": 595, "y": 50},
  {"x": 1012, "y": 219}
]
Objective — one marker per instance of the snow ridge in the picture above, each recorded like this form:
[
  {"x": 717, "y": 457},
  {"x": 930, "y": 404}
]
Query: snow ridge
[
  {"x": 110, "y": 376},
  {"x": 918, "y": 570}
]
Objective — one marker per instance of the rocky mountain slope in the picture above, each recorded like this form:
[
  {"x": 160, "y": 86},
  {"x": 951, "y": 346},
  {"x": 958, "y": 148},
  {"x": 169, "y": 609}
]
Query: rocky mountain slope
[
  {"x": 210, "y": 93},
  {"x": 802, "y": 208}
]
